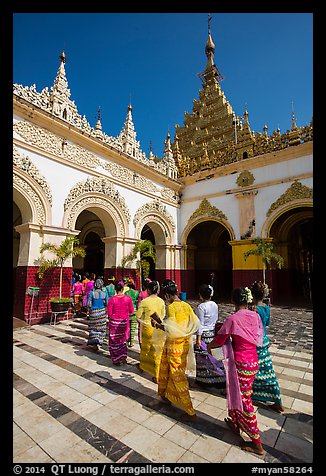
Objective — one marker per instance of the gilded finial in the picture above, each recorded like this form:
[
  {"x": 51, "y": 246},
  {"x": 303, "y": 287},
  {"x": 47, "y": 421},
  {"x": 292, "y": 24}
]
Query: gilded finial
[
  {"x": 98, "y": 125},
  {"x": 210, "y": 47},
  {"x": 62, "y": 57},
  {"x": 265, "y": 129},
  {"x": 245, "y": 114},
  {"x": 294, "y": 125},
  {"x": 209, "y": 23}
]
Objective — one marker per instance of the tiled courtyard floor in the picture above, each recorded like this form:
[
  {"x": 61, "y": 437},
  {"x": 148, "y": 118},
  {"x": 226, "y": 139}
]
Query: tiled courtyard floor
[{"x": 73, "y": 406}]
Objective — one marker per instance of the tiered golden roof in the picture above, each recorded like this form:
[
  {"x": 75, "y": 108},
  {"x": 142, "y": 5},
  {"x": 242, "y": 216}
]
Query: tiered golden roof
[{"x": 213, "y": 135}]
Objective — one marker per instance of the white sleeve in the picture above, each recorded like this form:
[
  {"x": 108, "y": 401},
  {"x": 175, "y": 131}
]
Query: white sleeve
[{"x": 200, "y": 313}]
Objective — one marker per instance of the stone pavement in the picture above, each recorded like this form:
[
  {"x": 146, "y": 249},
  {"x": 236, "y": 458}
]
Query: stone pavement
[{"x": 73, "y": 406}]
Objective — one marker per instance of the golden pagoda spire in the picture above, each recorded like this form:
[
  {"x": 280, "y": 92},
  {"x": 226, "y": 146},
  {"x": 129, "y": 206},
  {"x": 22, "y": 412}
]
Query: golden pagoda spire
[
  {"x": 210, "y": 47},
  {"x": 211, "y": 72}
]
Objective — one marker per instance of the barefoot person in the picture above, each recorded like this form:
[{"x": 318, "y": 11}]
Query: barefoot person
[
  {"x": 179, "y": 326},
  {"x": 265, "y": 387},
  {"x": 240, "y": 335}
]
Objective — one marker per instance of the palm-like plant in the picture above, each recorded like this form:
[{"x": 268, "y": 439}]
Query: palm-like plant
[
  {"x": 68, "y": 248},
  {"x": 142, "y": 249},
  {"x": 265, "y": 249}
]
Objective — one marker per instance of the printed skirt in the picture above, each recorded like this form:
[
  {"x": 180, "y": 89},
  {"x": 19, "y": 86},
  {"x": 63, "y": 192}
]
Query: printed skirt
[
  {"x": 265, "y": 387},
  {"x": 118, "y": 336},
  {"x": 246, "y": 420},
  {"x": 97, "y": 324},
  {"x": 133, "y": 328},
  {"x": 150, "y": 352},
  {"x": 206, "y": 375},
  {"x": 172, "y": 380}
]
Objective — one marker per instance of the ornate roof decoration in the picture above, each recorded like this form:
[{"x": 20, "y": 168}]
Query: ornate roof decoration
[
  {"x": 56, "y": 145},
  {"x": 206, "y": 209},
  {"x": 294, "y": 192},
  {"x": 245, "y": 178},
  {"x": 129, "y": 176},
  {"x": 153, "y": 207},
  {"x": 25, "y": 163},
  {"x": 213, "y": 136},
  {"x": 99, "y": 185},
  {"x": 170, "y": 194},
  {"x": 57, "y": 102},
  {"x": 138, "y": 181}
]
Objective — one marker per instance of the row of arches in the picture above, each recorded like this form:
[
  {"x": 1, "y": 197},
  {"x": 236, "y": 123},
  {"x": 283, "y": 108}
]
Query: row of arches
[
  {"x": 205, "y": 248},
  {"x": 95, "y": 210}
]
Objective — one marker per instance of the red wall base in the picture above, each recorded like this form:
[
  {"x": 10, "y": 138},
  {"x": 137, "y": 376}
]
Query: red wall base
[{"x": 49, "y": 287}]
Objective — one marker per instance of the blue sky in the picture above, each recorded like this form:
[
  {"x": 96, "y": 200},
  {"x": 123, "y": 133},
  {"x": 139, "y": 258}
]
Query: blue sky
[{"x": 266, "y": 60}]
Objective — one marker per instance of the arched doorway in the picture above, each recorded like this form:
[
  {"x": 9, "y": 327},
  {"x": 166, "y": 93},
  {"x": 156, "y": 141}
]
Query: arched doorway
[
  {"x": 91, "y": 234},
  {"x": 293, "y": 235},
  {"x": 147, "y": 234},
  {"x": 208, "y": 251}
]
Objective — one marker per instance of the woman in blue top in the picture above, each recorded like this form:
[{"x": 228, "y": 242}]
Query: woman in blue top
[
  {"x": 265, "y": 387},
  {"x": 97, "y": 302},
  {"x": 110, "y": 288}
]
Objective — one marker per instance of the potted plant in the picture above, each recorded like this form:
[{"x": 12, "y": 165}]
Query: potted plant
[
  {"x": 265, "y": 249},
  {"x": 142, "y": 249},
  {"x": 68, "y": 248}
]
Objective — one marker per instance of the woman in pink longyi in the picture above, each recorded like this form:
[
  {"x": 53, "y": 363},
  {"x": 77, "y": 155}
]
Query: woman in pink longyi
[
  {"x": 239, "y": 337},
  {"x": 88, "y": 287},
  {"x": 120, "y": 306}
]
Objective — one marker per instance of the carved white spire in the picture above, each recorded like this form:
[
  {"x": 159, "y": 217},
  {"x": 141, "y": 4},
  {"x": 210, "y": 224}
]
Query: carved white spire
[
  {"x": 60, "y": 83},
  {"x": 168, "y": 154},
  {"x": 151, "y": 156},
  {"x": 60, "y": 102},
  {"x": 98, "y": 125},
  {"x": 128, "y": 135},
  {"x": 172, "y": 170}
]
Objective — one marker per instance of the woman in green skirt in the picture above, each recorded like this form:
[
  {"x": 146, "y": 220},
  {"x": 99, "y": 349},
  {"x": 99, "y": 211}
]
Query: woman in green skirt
[{"x": 265, "y": 387}]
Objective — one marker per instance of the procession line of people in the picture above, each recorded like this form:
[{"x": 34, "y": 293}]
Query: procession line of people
[{"x": 174, "y": 340}]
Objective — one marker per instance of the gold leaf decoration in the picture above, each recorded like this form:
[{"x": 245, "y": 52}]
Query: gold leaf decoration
[
  {"x": 245, "y": 178},
  {"x": 294, "y": 192},
  {"x": 206, "y": 209}
]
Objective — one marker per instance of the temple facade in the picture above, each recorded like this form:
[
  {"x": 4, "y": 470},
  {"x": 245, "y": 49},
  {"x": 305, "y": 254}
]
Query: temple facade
[{"x": 217, "y": 187}]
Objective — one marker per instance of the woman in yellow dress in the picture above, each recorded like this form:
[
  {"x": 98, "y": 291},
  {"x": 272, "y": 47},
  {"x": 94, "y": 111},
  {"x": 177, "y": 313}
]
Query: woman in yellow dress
[
  {"x": 179, "y": 326},
  {"x": 151, "y": 350}
]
